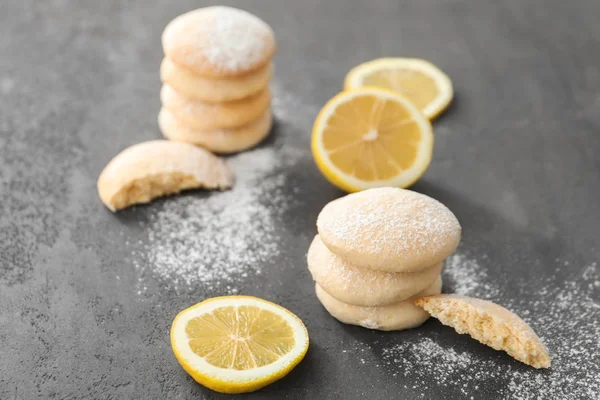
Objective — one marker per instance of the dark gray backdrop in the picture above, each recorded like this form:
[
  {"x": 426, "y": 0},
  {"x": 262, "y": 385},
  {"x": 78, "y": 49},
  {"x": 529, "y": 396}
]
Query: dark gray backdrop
[{"x": 516, "y": 158}]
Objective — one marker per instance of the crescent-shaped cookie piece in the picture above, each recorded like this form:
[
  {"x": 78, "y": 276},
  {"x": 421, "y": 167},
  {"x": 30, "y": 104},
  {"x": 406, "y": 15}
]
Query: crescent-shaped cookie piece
[
  {"x": 490, "y": 324},
  {"x": 157, "y": 168}
]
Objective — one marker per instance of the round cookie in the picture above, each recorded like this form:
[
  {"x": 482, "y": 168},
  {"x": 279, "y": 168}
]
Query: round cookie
[
  {"x": 389, "y": 229},
  {"x": 363, "y": 286},
  {"x": 393, "y": 317},
  {"x": 217, "y": 141},
  {"x": 211, "y": 116},
  {"x": 219, "y": 41},
  {"x": 214, "y": 90}
]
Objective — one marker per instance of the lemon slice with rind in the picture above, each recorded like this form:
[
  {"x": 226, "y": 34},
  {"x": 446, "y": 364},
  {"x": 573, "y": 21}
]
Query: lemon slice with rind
[
  {"x": 371, "y": 137},
  {"x": 420, "y": 81},
  {"x": 238, "y": 344}
]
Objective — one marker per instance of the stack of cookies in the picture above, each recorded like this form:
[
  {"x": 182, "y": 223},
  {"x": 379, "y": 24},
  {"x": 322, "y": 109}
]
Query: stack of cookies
[
  {"x": 376, "y": 251},
  {"x": 215, "y": 78}
]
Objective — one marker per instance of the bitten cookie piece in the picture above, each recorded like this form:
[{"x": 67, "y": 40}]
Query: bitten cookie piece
[
  {"x": 157, "y": 168},
  {"x": 489, "y": 324},
  {"x": 389, "y": 229}
]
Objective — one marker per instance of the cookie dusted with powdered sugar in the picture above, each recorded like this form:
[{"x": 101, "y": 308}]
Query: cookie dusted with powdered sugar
[
  {"x": 393, "y": 317},
  {"x": 213, "y": 116},
  {"x": 213, "y": 89},
  {"x": 389, "y": 229},
  {"x": 219, "y": 41},
  {"x": 227, "y": 140},
  {"x": 363, "y": 286}
]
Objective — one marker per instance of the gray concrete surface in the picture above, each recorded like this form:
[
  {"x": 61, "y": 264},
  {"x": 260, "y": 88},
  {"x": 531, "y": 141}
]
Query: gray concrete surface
[{"x": 516, "y": 158}]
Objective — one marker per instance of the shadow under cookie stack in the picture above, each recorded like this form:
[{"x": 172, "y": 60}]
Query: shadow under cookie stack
[
  {"x": 215, "y": 76},
  {"x": 376, "y": 251}
]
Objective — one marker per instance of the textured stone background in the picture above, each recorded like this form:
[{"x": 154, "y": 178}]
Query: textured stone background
[{"x": 516, "y": 158}]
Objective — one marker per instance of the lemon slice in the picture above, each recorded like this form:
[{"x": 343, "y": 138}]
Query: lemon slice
[
  {"x": 419, "y": 80},
  {"x": 238, "y": 344},
  {"x": 371, "y": 137}
]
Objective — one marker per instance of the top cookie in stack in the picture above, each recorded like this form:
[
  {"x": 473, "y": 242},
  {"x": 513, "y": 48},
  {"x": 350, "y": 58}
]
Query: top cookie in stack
[
  {"x": 215, "y": 77},
  {"x": 376, "y": 250}
]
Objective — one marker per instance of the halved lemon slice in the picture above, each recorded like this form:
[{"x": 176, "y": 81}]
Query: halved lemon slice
[
  {"x": 238, "y": 344},
  {"x": 371, "y": 137},
  {"x": 419, "y": 80}
]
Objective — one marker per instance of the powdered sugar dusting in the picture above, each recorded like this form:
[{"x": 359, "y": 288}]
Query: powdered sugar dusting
[
  {"x": 401, "y": 226},
  {"x": 428, "y": 354},
  {"x": 215, "y": 241},
  {"x": 369, "y": 324},
  {"x": 222, "y": 39},
  {"x": 364, "y": 286},
  {"x": 566, "y": 315},
  {"x": 465, "y": 276}
]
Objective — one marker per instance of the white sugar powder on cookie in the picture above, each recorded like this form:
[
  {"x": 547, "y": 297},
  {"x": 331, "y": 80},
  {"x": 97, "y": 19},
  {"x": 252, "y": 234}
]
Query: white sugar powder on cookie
[
  {"x": 389, "y": 229},
  {"x": 219, "y": 41},
  {"x": 237, "y": 40}
]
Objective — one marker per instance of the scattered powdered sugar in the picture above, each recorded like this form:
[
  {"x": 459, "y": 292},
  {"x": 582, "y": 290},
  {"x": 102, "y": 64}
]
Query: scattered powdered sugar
[
  {"x": 566, "y": 316},
  {"x": 428, "y": 354},
  {"x": 466, "y": 276},
  {"x": 290, "y": 108},
  {"x": 229, "y": 40},
  {"x": 212, "y": 241}
]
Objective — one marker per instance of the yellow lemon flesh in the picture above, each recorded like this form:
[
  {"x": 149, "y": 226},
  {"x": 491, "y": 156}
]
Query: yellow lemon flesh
[
  {"x": 371, "y": 137},
  {"x": 238, "y": 344},
  {"x": 429, "y": 88}
]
